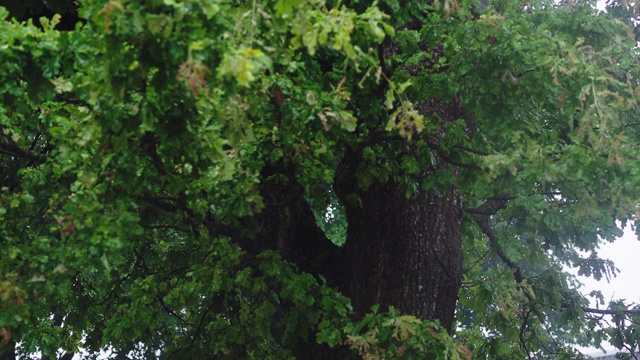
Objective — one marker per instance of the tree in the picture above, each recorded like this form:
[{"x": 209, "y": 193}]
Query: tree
[{"x": 317, "y": 179}]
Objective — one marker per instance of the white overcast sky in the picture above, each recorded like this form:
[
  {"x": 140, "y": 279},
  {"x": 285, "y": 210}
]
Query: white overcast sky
[{"x": 625, "y": 253}]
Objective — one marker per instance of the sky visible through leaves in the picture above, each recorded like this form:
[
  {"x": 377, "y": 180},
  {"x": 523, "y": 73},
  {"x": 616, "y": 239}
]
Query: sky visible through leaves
[{"x": 624, "y": 253}]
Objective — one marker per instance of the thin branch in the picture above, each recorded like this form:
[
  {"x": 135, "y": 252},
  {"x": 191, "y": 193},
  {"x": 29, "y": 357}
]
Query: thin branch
[
  {"x": 522, "y": 330},
  {"x": 611, "y": 312},
  {"x": 167, "y": 309},
  {"x": 473, "y": 151},
  {"x": 154, "y": 227},
  {"x": 476, "y": 262},
  {"x": 478, "y": 212},
  {"x": 217, "y": 301},
  {"x": 166, "y": 204},
  {"x": 542, "y": 344}
]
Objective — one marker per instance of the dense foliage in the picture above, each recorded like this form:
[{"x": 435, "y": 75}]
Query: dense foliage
[{"x": 142, "y": 149}]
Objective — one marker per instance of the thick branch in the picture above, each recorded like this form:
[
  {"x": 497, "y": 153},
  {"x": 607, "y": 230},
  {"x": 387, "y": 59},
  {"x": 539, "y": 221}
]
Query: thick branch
[
  {"x": 67, "y": 356},
  {"x": 483, "y": 222},
  {"x": 150, "y": 147},
  {"x": 13, "y": 150},
  {"x": 72, "y": 101},
  {"x": 458, "y": 163},
  {"x": 490, "y": 207}
]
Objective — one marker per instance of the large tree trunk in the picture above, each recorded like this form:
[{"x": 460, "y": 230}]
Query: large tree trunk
[
  {"x": 405, "y": 252},
  {"x": 400, "y": 251},
  {"x": 8, "y": 351}
]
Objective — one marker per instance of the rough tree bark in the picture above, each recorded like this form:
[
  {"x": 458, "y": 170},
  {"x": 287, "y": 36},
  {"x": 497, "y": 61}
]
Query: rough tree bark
[
  {"x": 405, "y": 252},
  {"x": 400, "y": 251}
]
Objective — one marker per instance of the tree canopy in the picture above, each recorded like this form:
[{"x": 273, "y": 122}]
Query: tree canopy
[{"x": 314, "y": 178}]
